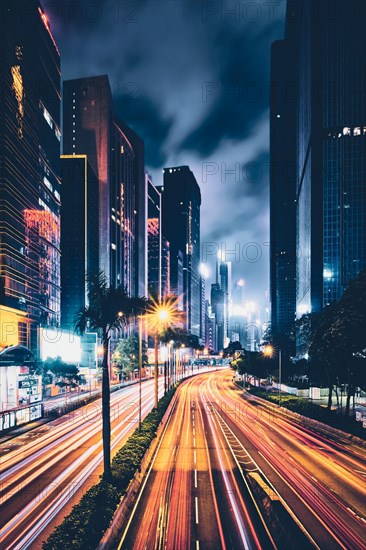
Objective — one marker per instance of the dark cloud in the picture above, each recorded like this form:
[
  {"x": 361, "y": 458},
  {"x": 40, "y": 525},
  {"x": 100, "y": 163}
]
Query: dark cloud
[
  {"x": 239, "y": 95},
  {"x": 145, "y": 117},
  {"x": 192, "y": 80}
]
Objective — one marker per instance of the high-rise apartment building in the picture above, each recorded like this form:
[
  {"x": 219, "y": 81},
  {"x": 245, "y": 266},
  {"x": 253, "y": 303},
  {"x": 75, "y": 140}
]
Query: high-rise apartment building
[
  {"x": 181, "y": 201},
  {"x": 116, "y": 155},
  {"x": 29, "y": 174}
]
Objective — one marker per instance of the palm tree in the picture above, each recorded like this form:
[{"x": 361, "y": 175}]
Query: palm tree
[{"x": 109, "y": 310}]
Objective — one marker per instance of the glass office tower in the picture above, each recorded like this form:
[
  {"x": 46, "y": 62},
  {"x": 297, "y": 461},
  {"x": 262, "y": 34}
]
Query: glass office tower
[{"x": 30, "y": 172}]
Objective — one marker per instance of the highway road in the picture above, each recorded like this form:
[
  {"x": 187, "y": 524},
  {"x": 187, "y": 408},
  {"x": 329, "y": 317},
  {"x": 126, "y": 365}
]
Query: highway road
[
  {"x": 233, "y": 471},
  {"x": 45, "y": 471}
]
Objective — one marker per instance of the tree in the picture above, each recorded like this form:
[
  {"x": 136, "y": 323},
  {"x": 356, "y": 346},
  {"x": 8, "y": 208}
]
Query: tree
[
  {"x": 346, "y": 335},
  {"x": 66, "y": 375},
  {"x": 126, "y": 354},
  {"x": 109, "y": 310},
  {"x": 253, "y": 362},
  {"x": 232, "y": 348}
]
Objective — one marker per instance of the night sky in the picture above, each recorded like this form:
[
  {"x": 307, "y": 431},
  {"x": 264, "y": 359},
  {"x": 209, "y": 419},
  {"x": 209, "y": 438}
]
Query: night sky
[{"x": 192, "y": 80}]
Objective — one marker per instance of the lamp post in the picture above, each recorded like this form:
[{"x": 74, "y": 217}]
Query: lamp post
[
  {"x": 183, "y": 362},
  {"x": 140, "y": 370},
  {"x": 269, "y": 351},
  {"x": 159, "y": 316}
]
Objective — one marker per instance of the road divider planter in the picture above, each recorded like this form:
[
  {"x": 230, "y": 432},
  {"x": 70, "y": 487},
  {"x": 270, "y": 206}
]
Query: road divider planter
[{"x": 97, "y": 520}]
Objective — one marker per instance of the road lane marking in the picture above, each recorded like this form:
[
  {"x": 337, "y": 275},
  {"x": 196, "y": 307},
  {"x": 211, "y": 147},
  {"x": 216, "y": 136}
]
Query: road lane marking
[
  {"x": 194, "y": 456},
  {"x": 197, "y": 545},
  {"x": 196, "y": 506},
  {"x": 194, "y": 442},
  {"x": 195, "y": 479}
]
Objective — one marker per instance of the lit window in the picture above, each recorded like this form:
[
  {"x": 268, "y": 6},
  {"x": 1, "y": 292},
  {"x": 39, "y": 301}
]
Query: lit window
[
  {"x": 357, "y": 131},
  {"x": 346, "y": 131},
  {"x": 113, "y": 246},
  {"x": 47, "y": 183},
  {"x": 48, "y": 117}
]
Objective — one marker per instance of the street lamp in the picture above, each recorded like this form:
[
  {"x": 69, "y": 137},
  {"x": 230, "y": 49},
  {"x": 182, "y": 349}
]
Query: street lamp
[
  {"x": 159, "y": 316},
  {"x": 269, "y": 352}
]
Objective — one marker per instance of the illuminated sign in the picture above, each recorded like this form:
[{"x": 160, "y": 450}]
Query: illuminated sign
[{"x": 60, "y": 343}]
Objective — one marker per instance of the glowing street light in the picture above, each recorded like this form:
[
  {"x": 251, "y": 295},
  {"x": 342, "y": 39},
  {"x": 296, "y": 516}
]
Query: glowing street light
[
  {"x": 269, "y": 351},
  {"x": 159, "y": 316}
]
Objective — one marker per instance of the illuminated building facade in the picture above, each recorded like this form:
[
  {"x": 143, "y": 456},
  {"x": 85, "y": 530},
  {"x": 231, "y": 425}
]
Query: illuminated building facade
[
  {"x": 181, "y": 226},
  {"x": 330, "y": 54},
  {"x": 79, "y": 234},
  {"x": 210, "y": 329},
  {"x": 30, "y": 173},
  {"x": 116, "y": 155},
  {"x": 165, "y": 267},
  {"x": 154, "y": 239}
]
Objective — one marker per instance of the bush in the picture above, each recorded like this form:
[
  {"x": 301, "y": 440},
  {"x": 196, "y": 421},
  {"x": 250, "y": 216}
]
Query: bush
[
  {"x": 314, "y": 411},
  {"x": 83, "y": 528}
]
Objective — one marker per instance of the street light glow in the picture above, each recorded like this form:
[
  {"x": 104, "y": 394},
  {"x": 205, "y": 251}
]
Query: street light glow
[
  {"x": 268, "y": 351},
  {"x": 163, "y": 314}
]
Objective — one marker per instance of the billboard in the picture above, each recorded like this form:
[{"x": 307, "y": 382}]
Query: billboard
[{"x": 60, "y": 343}]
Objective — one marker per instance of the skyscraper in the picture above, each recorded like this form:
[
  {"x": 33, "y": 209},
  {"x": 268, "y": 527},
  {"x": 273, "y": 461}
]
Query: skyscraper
[
  {"x": 331, "y": 136},
  {"x": 326, "y": 53},
  {"x": 225, "y": 285},
  {"x": 218, "y": 308},
  {"x": 154, "y": 238},
  {"x": 79, "y": 233},
  {"x": 181, "y": 226},
  {"x": 30, "y": 173},
  {"x": 116, "y": 155},
  {"x": 210, "y": 328},
  {"x": 165, "y": 267},
  {"x": 283, "y": 113}
]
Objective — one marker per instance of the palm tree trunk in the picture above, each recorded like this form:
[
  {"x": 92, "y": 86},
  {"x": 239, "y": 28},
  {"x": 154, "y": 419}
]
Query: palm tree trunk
[
  {"x": 348, "y": 401},
  {"x": 156, "y": 369},
  {"x": 106, "y": 421},
  {"x": 330, "y": 396},
  {"x": 165, "y": 376}
]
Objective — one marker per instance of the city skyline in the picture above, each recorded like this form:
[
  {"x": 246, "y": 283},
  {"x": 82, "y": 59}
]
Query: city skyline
[
  {"x": 159, "y": 387},
  {"x": 212, "y": 119}
]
